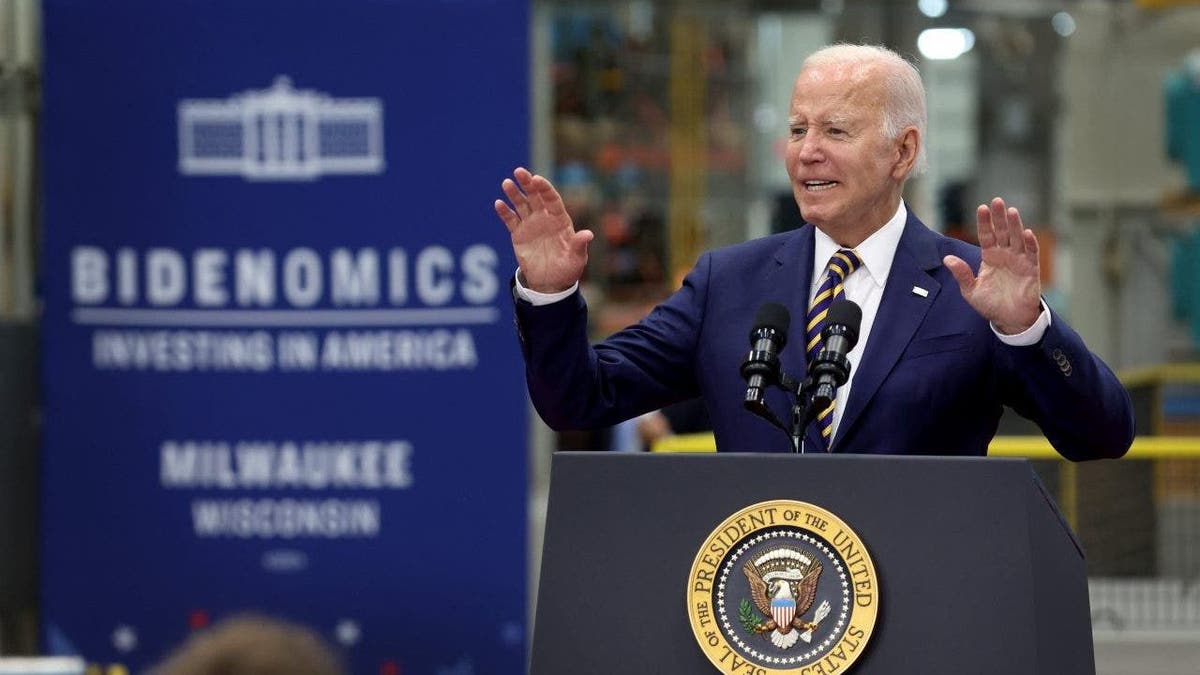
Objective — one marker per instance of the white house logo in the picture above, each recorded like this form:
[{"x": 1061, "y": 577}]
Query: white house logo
[{"x": 280, "y": 134}]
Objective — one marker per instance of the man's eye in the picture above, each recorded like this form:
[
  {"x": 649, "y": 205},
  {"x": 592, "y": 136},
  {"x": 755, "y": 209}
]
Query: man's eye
[
  {"x": 837, "y": 132},
  {"x": 798, "y": 131}
]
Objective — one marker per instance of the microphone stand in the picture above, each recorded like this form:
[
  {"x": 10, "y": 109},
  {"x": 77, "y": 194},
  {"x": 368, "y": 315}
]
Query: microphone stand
[
  {"x": 807, "y": 393},
  {"x": 803, "y": 412},
  {"x": 758, "y": 406},
  {"x": 825, "y": 373}
]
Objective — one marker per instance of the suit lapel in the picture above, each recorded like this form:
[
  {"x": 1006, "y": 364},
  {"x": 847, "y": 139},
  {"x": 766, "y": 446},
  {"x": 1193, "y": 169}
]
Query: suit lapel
[
  {"x": 793, "y": 273},
  {"x": 788, "y": 282},
  {"x": 901, "y": 312}
]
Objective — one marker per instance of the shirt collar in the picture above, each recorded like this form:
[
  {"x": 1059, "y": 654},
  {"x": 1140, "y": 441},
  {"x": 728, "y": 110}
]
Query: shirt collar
[{"x": 876, "y": 251}]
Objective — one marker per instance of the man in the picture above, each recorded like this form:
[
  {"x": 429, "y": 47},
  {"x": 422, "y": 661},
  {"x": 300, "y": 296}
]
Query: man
[{"x": 949, "y": 333}]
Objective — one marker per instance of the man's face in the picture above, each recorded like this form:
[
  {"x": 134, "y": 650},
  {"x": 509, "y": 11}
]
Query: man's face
[{"x": 845, "y": 175}]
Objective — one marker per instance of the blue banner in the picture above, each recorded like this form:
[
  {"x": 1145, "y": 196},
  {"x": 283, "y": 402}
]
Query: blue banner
[{"x": 280, "y": 372}]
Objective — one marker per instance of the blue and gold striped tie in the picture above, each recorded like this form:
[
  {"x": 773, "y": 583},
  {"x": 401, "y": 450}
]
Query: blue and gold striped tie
[{"x": 841, "y": 265}]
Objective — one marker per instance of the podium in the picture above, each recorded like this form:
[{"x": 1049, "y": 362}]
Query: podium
[{"x": 977, "y": 571}]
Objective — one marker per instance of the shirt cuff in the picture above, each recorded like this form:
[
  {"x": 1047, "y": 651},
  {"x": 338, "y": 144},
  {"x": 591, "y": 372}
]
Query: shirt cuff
[
  {"x": 538, "y": 299},
  {"x": 1029, "y": 336}
]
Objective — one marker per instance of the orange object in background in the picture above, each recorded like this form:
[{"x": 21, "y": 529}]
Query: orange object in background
[{"x": 1047, "y": 247}]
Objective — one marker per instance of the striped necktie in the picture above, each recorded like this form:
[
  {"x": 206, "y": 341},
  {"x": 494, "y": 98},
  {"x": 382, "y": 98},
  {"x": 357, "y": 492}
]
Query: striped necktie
[{"x": 841, "y": 265}]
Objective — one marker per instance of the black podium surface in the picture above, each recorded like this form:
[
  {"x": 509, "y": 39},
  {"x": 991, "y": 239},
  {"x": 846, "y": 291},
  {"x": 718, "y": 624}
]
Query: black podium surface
[{"x": 978, "y": 572}]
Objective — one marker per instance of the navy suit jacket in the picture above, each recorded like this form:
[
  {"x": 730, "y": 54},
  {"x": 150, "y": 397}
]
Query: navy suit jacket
[{"x": 933, "y": 379}]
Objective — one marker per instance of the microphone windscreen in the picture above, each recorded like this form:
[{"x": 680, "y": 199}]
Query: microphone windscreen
[
  {"x": 846, "y": 313},
  {"x": 775, "y": 316}
]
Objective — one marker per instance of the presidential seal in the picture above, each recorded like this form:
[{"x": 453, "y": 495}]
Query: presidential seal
[{"x": 783, "y": 587}]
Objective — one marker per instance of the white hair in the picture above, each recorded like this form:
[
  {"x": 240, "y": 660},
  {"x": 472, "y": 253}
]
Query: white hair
[{"x": 904, "y": 105}]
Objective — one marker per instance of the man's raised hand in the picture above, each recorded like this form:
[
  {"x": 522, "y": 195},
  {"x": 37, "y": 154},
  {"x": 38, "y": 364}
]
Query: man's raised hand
[
  {"x": 1007, "y": 290},
  {"x": 552, "y": 255}
]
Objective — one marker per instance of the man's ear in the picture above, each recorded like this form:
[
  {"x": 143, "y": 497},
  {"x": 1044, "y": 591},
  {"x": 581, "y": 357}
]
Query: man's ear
[{"x": 907, "y": 148}]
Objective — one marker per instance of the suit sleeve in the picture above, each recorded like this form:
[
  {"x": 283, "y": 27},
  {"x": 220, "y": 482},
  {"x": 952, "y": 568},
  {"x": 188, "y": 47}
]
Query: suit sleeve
[
  {"x": 651, "y": 364},
  {"x": 1078, "y": 402}
]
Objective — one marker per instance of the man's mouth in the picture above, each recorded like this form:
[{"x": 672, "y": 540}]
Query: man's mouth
[{"x": 818, "y": 185}]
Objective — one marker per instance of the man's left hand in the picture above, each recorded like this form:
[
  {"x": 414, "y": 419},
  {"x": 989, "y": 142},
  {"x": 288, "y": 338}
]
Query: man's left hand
[{"x": 1007, "y": 291}]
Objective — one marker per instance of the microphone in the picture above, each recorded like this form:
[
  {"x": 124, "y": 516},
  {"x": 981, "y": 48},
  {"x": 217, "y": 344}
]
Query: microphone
[
  {"x": 830, "y": 369},
  {"x": 761, "y": 367}
]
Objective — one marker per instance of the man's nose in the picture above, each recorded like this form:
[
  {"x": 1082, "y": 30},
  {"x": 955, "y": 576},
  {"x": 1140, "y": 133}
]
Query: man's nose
[{"x": 810, "y": 149}]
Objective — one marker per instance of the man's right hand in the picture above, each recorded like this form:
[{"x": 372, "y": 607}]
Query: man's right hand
[{"x": 552, "y": 255}]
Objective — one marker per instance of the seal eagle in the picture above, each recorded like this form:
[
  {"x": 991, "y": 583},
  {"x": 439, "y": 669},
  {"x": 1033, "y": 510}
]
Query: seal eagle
[{"x": 783, "y": 584}]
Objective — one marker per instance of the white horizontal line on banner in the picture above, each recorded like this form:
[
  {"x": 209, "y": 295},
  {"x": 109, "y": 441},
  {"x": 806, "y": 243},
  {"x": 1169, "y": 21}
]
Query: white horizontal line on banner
[
  {"x": 61, "y": 665},
  {"x": 108, "y": 316}
]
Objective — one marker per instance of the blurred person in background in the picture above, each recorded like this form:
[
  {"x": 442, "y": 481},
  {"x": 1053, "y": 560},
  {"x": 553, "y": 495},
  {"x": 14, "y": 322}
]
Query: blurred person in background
[
  {"x": 959, "y": 330},
  {"x": 640, "y": 433},
  {"x": 252, "y": 645}
]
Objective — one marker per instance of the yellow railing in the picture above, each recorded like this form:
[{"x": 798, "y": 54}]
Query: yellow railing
[
  {"x": 1150, "y": 448},
  {"x": 1033, "y": 447}
]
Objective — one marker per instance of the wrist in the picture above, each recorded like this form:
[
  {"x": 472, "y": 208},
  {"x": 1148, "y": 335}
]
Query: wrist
[
  {"x": 1031, "y": 335},
  {"x": 523, "y": 282},
  {"x": 1013, "y": 328}
]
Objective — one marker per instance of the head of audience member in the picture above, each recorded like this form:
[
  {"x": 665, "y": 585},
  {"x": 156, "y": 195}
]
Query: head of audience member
[{"x": 252, "y": 645}]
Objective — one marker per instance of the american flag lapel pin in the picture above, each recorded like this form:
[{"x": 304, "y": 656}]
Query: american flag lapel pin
[{"x": 917, "y": 290}]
